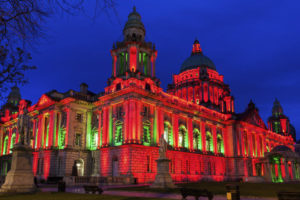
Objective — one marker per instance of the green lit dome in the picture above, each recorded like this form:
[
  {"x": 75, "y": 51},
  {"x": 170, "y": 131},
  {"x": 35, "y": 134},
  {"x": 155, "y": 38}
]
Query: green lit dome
[{"x": 197, "y": 59}]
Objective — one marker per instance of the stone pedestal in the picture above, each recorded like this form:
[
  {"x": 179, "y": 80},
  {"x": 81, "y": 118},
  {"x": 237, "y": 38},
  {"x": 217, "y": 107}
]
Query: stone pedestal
[
  {"x": 20, "y": 178},
  {"x": 163, "y": 178}
]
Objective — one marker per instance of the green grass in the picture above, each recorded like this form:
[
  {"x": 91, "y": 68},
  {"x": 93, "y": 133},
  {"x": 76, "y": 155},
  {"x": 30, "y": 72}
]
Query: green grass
[
  {"x": 218, "y": 188},
  {"x": 67, "y": 196}
]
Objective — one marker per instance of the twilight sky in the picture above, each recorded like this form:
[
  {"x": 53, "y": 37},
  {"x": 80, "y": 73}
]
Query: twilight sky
[{"x": 253, "y": 43}]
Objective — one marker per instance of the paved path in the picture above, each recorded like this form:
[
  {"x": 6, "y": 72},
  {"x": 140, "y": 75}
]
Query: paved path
[{"x": 147, "y": 194}]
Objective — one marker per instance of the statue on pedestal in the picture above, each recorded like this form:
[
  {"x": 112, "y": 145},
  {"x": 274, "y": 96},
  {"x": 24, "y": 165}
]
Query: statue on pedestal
[
  {"x": 163, "y": 146},
  {"x": 163, "y": 178},
  {"x": 20, "y": 178},
  {"x": 23, "y": 128}
]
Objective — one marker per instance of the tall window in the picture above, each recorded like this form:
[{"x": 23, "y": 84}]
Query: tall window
[
  {"x": 119, "y": 133},
  {"x": 12, "y": 142},
  {"x": 148, "y": 164},
  {"x": 79, "y": 117},
  {"x": 168, "y": 133},
  {"x": 183, "y": 140},
  {"x": 78, "y": 139},
  {"x": 146, "y": 133},
  {"x": 5, "y": 145},
  {"x": 94, "y": 139},
  {"x": 220, "y": 142},
  {"x": 209, "y": 142},
  {"x": 196, "y": 139}
]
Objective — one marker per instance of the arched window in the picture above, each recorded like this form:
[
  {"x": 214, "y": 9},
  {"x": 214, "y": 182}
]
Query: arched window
[
  {"x": 196, "y": 139},
  {"x": 168, "y": 136},
  {"x": 62, "y": 137},
  {"x": 94, "y": 139},
  {"x": 220, "y": 142},
  {"x": 209, "y": 141},
  {"x": 5, "y": 145},
  {"x": 146, "y": 133},
  {"x": 183, "y": 137},
  {"x": 119, "y": 133},
  {"x": 12, "y": 142}
]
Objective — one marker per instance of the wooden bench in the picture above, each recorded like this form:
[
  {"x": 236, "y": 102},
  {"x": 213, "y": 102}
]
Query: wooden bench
[
  {"x": 93, "y": 189},
  {"x": 288, "y": 195},
  {"x": 185, "y": 192}
]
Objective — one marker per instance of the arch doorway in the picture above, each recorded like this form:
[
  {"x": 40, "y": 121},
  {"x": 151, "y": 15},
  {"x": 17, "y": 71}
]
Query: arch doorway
[
  {"x": 79, "y": 165},
  {"x": 115, "y": 167}
]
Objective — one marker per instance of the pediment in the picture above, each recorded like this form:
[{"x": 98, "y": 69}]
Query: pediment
[{"x": 45, "y": 101}]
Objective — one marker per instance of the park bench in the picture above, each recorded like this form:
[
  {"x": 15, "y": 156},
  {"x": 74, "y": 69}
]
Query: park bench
[
  {"x": 93, "y": 189},
  {"x": 185, "y": 192},
  {"x": 288, "y": 195}
]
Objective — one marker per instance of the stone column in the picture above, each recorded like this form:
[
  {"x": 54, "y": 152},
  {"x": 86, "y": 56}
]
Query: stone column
[
  {"x": 214, "y": 133},
  {"x": 175, "y": 129},
  {"x": 88, "y": 129},
  {"x": 203, "y": 135},
  {"x": 51, "y": 128},
  {"x": 139, "y": 121},
  {"x": 190, "y": 133},
  {"x": 99, "y": 130}
]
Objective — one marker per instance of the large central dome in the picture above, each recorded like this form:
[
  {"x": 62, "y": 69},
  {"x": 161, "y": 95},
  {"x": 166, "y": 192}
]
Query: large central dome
[{"x": 197, "y": 59}]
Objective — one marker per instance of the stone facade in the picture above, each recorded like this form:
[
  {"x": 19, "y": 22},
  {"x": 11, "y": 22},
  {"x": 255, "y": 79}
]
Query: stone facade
[{"x": 113, "y": 136}]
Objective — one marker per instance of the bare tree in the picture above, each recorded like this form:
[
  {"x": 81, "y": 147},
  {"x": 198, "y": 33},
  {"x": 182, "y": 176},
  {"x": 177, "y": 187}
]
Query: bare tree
[{"x": 22, "y": 25}]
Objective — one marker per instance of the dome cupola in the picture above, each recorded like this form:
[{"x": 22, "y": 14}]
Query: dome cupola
[
  {"x": 134, "y": 29},
  {"x": 197, "y": 59}
]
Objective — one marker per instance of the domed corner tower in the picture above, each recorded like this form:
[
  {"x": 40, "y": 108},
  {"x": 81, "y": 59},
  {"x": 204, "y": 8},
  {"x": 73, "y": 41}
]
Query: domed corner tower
[
  {"x": 199, "y": 82},
  {"x": 279, "y": 122},
  {"x": 133, "y": 58}
]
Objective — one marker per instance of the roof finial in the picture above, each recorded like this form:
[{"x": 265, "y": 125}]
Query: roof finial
[
  {"x": 134, "y": 8},
  {"x": 196, "y": 47}
]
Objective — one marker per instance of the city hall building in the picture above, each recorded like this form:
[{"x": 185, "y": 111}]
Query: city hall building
[{"x": 112, "y": 136}]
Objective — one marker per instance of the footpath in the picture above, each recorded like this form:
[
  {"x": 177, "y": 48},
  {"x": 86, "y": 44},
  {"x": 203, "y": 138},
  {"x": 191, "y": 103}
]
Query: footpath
[{"x": 148, "y": 194}]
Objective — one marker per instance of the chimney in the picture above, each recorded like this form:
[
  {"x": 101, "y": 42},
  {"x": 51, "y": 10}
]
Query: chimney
[{"x": 84, "y": 88}]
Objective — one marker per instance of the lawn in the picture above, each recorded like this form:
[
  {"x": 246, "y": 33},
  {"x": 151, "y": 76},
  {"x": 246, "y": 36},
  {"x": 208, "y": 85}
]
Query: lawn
[
  {"x": 218, "y": 188},
  {"x": 67, "y": 196}
]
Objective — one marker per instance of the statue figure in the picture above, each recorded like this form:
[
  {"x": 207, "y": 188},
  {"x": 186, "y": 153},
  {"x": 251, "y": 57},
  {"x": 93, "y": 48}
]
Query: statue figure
[
  {"x": 163, "y": 145},
  {"x": 23, "y": 128}
]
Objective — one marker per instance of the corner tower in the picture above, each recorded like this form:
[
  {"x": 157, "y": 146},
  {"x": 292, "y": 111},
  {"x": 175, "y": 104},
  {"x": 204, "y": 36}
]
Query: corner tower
[
  {"x": 279, "y": 122},
  {"x": 133, "y": 57},
  {"x": 199, "y": 82}
]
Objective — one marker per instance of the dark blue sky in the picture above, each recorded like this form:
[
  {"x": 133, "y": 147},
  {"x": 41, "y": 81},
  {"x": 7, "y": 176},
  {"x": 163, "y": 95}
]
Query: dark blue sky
[{"x": 254, "y": 44}]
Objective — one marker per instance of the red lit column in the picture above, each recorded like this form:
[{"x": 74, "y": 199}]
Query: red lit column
[
  {"x": 203, "y": 135},
  {"x": 214, "y": 132},
  {"x": 99, "y": 130},
  {"x": 9, "y": 139},
  {"x": 51, "y": 128},
  {"x": 161, "y": 121},
  {"x": 131, "y": 119},
  {"x": 139, "y": 122},
  {"x": 34, "y": 133},
  {"x": 57, "y": 122},
  {"x": 40, "y": 131},
  {"x": 175, "y": 129},
  {"x": 126, "y": 124},
  {"x": 238, "y": 140},
  {"x": 250, "y": 139},
  {"x": 105, "y": 127},
  {"x": 68, "y": 131},
  {"x": 190, "y": 132},
  {"x": 242, "y": 143},
  {"x": 224, "y": 131}
]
